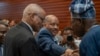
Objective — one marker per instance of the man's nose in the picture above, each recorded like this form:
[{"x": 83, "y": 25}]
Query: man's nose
[{"x": 56, "y": 26}]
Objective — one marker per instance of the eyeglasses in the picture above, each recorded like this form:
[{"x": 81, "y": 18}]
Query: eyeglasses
[{"x": 39, "y": 16}]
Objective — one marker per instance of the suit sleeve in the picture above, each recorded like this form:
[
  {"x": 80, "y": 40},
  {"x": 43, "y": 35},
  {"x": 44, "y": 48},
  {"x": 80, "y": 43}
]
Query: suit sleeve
[
  {"x": 49, "y": 46},
  {"x": 28, "y": 48}
]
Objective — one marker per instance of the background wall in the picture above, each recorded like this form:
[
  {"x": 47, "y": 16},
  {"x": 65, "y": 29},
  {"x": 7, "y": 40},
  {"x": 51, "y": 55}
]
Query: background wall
[{"x": 12, "y": 9}]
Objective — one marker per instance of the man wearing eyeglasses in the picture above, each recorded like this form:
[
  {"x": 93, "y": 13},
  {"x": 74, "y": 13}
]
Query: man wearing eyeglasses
[{"x": 20, "y": 41}]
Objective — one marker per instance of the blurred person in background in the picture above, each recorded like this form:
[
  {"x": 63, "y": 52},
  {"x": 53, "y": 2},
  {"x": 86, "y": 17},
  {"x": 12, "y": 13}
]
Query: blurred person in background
[
  {"x": 68, "y": 38},
  {"x": 12, "y": 23},
  {"x": 3, "y": 30}
]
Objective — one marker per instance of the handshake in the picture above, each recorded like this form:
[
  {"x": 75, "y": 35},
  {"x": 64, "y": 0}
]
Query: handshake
[{"x": 70, "y": 52}]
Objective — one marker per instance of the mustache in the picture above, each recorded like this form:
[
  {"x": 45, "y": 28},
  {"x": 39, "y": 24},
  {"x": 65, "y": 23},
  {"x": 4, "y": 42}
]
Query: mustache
[{"x": 55, "y": 29}]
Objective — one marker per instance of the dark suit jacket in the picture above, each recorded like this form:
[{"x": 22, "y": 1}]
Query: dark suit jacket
[
  {"x": 47, "y": 44},
  {"x": 19, "y": 41}
]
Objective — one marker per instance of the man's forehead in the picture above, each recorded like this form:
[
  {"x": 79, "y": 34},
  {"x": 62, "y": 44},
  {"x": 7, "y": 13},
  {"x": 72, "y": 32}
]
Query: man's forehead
[
  {"x": 2, "y": 27},
  {"x": 54, "y": 21}
]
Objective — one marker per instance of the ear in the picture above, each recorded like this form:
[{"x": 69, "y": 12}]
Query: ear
[
  {"x": 31, "y": 15},
  {"x": 78, "y": 21},
  {"x": 43, "y": 23}
]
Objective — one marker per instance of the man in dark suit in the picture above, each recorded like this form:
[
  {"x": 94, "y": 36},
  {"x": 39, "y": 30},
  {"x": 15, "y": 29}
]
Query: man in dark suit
[
  {"x": 46, "y": 40},
  {"x": 19, "y": 40},
  {"x": 3, "y": 30}
]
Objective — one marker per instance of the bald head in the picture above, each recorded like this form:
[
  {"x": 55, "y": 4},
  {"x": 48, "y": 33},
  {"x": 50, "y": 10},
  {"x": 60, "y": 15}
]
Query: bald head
[
  {"x": 50, "y": 18},
  {"x": 3, "y": 30},
  {"x": 33, "y": 15},
  {"x": 33, "y": 9},
  {"x": 3, "y": 27},
  {"x": 51, "y": 22}
]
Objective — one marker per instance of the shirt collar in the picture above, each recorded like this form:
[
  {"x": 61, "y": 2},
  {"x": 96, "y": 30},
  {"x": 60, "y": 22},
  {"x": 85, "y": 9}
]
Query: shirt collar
[
  {"x": 28, "y": 26},
  {"x": 93, "y": 26}
]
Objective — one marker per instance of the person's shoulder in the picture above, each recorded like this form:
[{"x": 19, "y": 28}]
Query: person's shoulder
[
  {"x": 95, "y": 29},
  {"x": 43, "y": 30},
  {"x": 98, "y": 27},
  {"x": 92, "y": 34},
  {"x": 19, "y": 32}
]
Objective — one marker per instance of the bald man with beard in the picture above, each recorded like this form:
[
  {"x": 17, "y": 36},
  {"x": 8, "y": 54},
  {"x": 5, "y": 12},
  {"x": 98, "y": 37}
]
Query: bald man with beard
[
  {"x": 46, "y": 40},
  {"x": 19, "y": 40}
]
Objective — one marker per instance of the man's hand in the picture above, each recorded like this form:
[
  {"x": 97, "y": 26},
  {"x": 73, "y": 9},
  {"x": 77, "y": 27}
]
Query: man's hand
[
  {"x": 68, "y": 52},
  {"x": 75, "y": 53}
]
